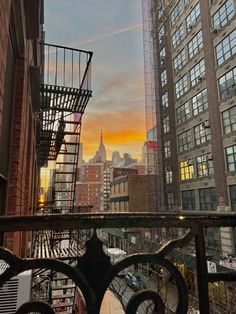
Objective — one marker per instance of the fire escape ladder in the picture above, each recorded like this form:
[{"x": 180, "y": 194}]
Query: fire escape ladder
[{"x": 64, "y": 93}]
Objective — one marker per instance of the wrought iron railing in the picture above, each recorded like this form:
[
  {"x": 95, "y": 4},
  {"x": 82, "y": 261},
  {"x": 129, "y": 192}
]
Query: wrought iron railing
[
  {"x": 68, "y": 67},
  {"x": 94, "y": 273}
]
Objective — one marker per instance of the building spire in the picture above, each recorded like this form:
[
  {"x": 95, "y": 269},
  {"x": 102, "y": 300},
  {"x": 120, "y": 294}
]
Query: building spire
[{"x": 101, "y": 140}]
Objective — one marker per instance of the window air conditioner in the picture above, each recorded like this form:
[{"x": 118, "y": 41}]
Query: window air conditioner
[
  {"x": 215, "y": 30},
  {"x": 209, "y": 156},
  {"x": 190, "y": 27},
  {"x": 14, "y": 292},
  {"x": 205, "y": 125},
  {"x": 200, "y": 78}
]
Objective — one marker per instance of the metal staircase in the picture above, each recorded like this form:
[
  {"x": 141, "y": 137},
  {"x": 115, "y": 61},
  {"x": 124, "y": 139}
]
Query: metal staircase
[{"x": 64, "y": 94}]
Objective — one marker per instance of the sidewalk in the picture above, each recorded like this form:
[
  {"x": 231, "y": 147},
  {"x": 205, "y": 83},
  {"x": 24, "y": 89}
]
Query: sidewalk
[{"x": 111, "y": 305}]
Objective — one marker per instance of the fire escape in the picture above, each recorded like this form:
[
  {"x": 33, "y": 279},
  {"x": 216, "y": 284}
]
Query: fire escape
[{"x": 64, "y": 94}]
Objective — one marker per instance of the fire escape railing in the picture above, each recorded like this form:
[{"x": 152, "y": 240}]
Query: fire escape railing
[
  {"x": 94, "y": 272},
  {"x": 65, "y": 90}
]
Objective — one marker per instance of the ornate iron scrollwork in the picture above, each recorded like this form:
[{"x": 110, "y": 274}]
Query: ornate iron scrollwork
[
  {"x": 94, "y": 273},
  {"x": 35, "y": 306}
]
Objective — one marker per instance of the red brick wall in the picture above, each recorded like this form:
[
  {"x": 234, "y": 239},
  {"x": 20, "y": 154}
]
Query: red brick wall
[
  {"x": 22, "y": 178},
  {"x": 22, "y": 159},
  {"x": 89, "y": 189},
  {"x": 88, "y": 194},
  {"x": 138, "y": 187},
  {"x": 4, "y": 32}
]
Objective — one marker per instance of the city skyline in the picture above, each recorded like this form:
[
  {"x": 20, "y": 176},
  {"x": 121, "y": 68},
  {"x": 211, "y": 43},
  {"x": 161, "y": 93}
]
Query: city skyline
[
  {"x": 117, "y": 105},
  {"x": 109, "y": 158}
]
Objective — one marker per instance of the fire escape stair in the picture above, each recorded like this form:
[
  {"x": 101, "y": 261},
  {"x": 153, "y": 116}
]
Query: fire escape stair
[{"x": 64, "y": 94}]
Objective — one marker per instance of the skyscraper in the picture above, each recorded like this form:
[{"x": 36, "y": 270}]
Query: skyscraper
[
  {"x": 93, "y": 184},
  {"x": 101, "y": 155},
  {"x": 190, "y": 77}
]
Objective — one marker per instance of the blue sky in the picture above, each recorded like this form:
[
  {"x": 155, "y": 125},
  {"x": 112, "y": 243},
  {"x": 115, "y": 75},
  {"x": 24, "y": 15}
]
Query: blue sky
[{"x": 113, "y": 31}]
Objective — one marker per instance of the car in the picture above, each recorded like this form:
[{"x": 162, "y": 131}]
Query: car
[{"x": 134, "y": 281}]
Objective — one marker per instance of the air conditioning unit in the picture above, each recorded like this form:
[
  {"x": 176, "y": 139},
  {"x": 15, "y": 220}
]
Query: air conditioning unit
[
  {"x": 209, "y": 156},
  {"x": 200, "y": 78},
  {"x": 205, "y": 125},
  {"x": 190, "y": 27},
  {"x": 14, "y": 292},
  {"x": 215, "y": 30}
]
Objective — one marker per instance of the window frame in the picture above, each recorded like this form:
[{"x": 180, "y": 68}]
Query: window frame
[
  {"x": 231, "y": 126},
  {"x": 181, "y": 86},
  {"x": 204, "y": 160},
  {"x": 197, "y": 72},
  {"x": 207, "y": 199},
  {"x": 230, "y": 158},
  {"x": 196, "y": 44},
  {"x": 190, "y": 200},
  {"x": 186, "y": 139},
  {"x": 225, "y": 89},
  {"x": 222, "y": 12},
  {"x": 229, "y": 42},
  {"x": 201, "y": 135}
]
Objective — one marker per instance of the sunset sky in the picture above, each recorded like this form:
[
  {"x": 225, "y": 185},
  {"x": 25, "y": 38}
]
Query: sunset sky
[{"x": 113, "y": 31}]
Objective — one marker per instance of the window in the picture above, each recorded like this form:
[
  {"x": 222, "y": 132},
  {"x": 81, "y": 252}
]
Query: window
[
  {"x": 159, "y": 13},
  {"x": 161, "y": 33},
  {"x": 167, "y": 152},
  {"x": 166, "y": 124},
  {"x": 224, "y": 14},
  {"x": 207, "y": 199},
  {"x": 178, "y": 9},
  {"x": 164, "y": 100},
  {"x": 184, "y": 141},
  {"x": 204, "y": 165},
  {"x": 227, "y": 84},
  {"x": 183, "y": 113},
  {"x": 163, "y": 78},
  {"x": 178, "y": 36},
  {"x": 186, "y": 170},
  {"x": 170, "y": 200},
  {"x": 231, "y": 157},
  {"x": 232, "y": 193},
  {"x": 188, "y": 200},
  {"x": 212, "y": 239},
  {"x": 226, "y": 48},
  {"x": 168, "y": 174},
  {"x": 179, "y": 61},
  {"x": 181, "y": 87},
  {"x": 193, "y": 16},
  {"x": 200, "y": 102},
  {"x": 163, "y": 54},
  {"x": 201, "y": 134},
  {"x": 175, "y": 13},
  {"x": 229, "y": 120},
  {"x": 197, "y": 73},
  {"x": 195, "y": 44}
]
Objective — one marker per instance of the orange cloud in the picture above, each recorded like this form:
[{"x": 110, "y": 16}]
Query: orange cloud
[{"x": 123, "y": 131}]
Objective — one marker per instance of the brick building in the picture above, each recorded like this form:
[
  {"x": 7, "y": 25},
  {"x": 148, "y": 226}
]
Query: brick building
[
  {"x": 192, "y": 62},
  {"x": 20, "y": 24},
  {"x": 93, "y": 186},
  {"x": 89, "y": 185},
  {"x": 129, "y": 192}
]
